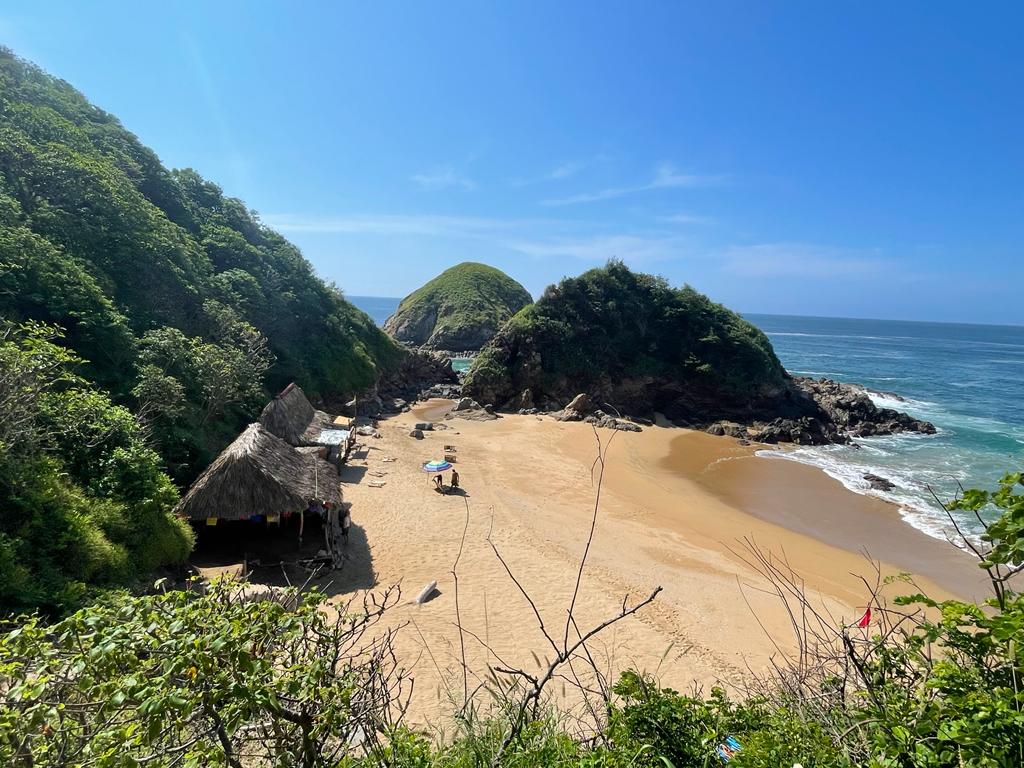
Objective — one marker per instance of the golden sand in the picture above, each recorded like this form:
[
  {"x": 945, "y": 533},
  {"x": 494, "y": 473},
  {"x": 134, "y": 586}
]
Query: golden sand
[{"x": 675, "y": 510}]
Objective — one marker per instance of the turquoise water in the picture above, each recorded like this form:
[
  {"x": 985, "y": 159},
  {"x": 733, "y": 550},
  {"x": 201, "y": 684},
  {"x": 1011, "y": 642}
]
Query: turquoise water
[
  {"x": 460, "y": 364},
  {"x": 966, "y": 379}
]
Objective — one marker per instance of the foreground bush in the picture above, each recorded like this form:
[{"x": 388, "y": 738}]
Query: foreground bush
[
  {"x": 183, "y": 679},
  {"x": 197, "y": 680}
]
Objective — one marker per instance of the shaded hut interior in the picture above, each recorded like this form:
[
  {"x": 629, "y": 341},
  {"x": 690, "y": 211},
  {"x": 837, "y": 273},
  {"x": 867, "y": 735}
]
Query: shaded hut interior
[{"x": 249, "y": 503}]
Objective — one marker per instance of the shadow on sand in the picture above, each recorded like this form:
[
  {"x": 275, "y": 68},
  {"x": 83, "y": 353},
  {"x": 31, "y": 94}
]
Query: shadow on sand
[
  {"x": 352, "y": 474},
  {"x": 449, "y": 491},
  {"x": 276, "y": 557}
]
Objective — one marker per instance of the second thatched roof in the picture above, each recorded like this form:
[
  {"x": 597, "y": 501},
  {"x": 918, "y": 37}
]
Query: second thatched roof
[
  {"x": 259, "y": 474},
  {"x": 293, "y": 418}
]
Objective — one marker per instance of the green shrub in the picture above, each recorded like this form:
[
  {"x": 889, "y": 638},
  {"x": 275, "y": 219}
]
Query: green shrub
[{"x": 83, "y": 501}]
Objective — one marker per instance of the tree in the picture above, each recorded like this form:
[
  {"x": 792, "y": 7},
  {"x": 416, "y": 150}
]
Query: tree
[
  {"x": 83, "y": 499},
  {"x": 180, "y": 678}
]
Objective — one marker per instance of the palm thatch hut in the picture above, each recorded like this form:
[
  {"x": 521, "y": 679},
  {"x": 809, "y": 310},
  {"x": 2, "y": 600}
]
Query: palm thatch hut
[
  {"x": 260, "y": 474},
  {"x": 291, "y": 417}
]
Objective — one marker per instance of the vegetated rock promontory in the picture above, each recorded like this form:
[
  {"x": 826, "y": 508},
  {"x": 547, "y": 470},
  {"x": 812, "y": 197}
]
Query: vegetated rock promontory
[
  {"x": 636, "y": 345},
  {"x": 460, "y": 310}
]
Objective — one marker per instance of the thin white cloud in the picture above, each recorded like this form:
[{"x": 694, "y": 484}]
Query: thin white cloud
[
  {"x": 599, "y": 248},
  {"x": 386, "y": 224},
  {"x": 443, "y": 178},
  {"x": 685, "y": 217},
  {"x": 536, "y": 238},
  {"x": 773, "y": 260},
  {"x": 565, "y": 170},
  {"x": 594, "y": 242},
  {"x": 665, "y": 177},
  {"x": 560, "y": 172}
]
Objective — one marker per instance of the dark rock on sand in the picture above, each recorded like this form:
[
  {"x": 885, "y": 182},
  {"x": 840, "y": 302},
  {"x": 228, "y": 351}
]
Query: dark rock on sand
[
  {"x": 853, "y": 413},
  {"x": 467, "y": 408},
  {"x": 603, "y": 420},
  {"x": 813, "y": 412},
  {"x": 443, "y": 391},
  {"x": 576, "y": 410}
]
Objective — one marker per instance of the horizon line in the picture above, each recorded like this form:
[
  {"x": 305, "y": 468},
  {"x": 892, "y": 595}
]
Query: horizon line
[{"x": 744, "y": 313}]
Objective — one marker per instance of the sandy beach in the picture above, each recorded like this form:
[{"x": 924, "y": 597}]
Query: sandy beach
[{"x": 676, "y": 508}]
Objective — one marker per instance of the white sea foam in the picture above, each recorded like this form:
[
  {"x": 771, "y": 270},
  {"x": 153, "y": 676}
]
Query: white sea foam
[
  {"x": 886, "y": 400},
  {"x": 843, "y": 336},
  {"x": 964, "y": 381},
  {"x": 910, "y": 496}
]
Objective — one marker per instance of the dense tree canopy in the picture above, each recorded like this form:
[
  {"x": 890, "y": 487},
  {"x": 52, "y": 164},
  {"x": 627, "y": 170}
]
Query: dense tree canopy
[
  {"x": 140, "y": 309},
  {"x": 85, "y": 502},
  {"x": 631, "y": 338},
  {"x": 98, "y": 238}
]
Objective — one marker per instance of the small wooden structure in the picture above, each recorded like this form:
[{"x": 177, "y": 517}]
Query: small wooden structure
[
  {"x": 291, "y": 417},
  {"x": 260, "y": 474}
]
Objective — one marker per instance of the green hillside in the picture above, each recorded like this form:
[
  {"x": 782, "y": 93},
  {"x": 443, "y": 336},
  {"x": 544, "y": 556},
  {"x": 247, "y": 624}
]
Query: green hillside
[
  {"x": 630, "y": 338},
  {"x": 459, "y": 310},
  {"x": 181, "y": 311},
  {"x": 143, "y": 267}
]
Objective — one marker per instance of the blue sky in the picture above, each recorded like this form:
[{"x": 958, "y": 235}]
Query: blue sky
[{"x": 848, "y": 159}]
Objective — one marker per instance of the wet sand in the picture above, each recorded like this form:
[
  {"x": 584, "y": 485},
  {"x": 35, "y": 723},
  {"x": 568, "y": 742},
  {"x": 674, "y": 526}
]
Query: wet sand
[{"x": 806, "y": 500}]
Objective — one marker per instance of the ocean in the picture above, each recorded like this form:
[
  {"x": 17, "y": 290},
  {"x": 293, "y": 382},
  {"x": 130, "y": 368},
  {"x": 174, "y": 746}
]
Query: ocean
[
  {"x": 379, "y": 308},
  {"x": 968, "y": 380}
]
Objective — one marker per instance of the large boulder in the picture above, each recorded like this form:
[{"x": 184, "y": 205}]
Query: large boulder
[
  {"x": 879, "y": 483},
  {"x": 577, "y": 409},
  {"x": 633, "y": 341},
  {"x": 630, "y": 340}
]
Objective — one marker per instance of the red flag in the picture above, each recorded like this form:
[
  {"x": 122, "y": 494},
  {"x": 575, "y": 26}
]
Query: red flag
[{"x": 865, "y": 619}]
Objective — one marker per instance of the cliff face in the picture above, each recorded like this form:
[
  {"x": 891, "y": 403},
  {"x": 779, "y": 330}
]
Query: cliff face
[
  {"x": 459, "y": 310},
  {"x": 634, "y": 345}
]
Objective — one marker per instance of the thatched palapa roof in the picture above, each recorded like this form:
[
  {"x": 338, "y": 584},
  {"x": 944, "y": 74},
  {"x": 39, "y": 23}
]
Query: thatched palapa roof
[
  {"x": 293, "y": 418},
  {"x": 259, "y": 474}
]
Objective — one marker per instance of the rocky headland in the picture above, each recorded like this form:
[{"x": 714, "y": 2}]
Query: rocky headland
[
  {"x": 460, "y": 310},
  {"x": 616, "y": 346}
]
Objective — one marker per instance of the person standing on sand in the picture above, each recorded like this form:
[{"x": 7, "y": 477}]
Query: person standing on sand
[
  {"x": 455, "y": 479},
  {"x": 439, "y": 482}
]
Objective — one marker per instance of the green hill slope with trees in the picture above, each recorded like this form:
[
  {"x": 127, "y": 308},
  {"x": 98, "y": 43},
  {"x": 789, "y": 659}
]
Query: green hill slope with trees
[
  {"x": 632, "y": 340},
  {"x": 461, "y": 309},
  {"x": 180, "y": 310}
]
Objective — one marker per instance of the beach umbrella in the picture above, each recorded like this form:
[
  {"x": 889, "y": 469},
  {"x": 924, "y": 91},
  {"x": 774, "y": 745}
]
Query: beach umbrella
[{"x": 437, "y": 466}]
